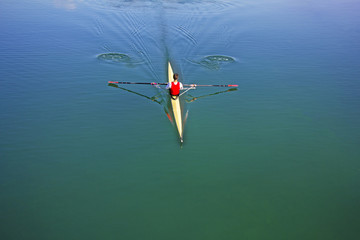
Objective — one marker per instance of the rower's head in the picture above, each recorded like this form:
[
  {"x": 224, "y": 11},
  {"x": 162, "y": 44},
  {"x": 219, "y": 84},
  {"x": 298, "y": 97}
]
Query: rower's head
[{"x": 176, "y": 76}]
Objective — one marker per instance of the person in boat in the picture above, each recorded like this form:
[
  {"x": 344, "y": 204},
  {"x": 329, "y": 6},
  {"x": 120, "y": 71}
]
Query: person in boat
[{"x": 175, "y": 87}]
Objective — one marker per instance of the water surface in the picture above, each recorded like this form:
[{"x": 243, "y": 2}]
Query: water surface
[{"x": 278, "y": 158}]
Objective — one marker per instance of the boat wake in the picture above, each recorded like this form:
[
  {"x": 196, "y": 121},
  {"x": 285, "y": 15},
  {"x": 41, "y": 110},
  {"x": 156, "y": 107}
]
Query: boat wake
[{"x": 185, "y": 6}]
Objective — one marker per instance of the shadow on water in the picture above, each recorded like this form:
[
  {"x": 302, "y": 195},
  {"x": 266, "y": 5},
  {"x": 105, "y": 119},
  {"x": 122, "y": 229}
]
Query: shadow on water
[
  {"x": 160, "y": 98},
  {"x": 191, "y": 98}
]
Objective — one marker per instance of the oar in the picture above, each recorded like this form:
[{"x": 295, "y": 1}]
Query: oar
[
  {"x": 144, "y": 83},
  {"x": 186, "y": 85},
  {"x": 195, "y": 85}
]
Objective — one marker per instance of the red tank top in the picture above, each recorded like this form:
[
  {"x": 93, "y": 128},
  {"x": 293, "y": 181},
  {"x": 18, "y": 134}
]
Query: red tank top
[{"x": 175, "y": 89}]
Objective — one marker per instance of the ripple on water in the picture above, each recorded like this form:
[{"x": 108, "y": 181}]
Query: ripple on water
[
  {"x": 197, "y": 6},
  {"x": 214, "y": 62},
  {"x": 118, "y": 58}
]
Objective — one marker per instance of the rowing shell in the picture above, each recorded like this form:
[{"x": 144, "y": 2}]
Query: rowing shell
[
  {"x": 176, "y": 106},
  {"x": 175, "y": 103}
]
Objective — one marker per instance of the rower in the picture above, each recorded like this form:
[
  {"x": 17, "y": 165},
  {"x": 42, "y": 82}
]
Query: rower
[{"x": 175, "y": 87}]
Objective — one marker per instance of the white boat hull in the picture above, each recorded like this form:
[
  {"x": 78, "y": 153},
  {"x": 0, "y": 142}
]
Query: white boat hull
[{"x": 175, "y": 104}]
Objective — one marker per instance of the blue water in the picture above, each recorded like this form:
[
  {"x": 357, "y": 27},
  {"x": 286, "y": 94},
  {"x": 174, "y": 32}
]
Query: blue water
[{"x": 278, "y": 158}]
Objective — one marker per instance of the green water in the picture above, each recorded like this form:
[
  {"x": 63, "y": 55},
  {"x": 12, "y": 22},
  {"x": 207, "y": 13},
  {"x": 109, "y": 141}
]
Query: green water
[{"x": 276, "y": 159}]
